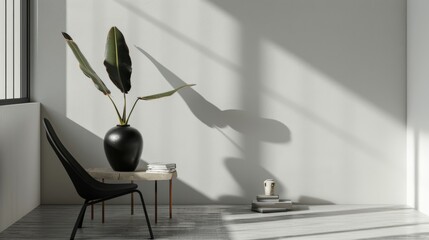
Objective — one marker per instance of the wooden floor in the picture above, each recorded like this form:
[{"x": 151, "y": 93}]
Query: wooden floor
[{"x": 328, "y": 222}]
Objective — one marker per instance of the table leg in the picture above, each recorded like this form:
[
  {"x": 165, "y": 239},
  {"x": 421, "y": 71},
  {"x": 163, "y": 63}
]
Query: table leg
[
  {"x": 132, "y": 201},
  {"x": 156, "y": 201},
  {"x": 102, "y": 207},
  {"x": 171, "y": 198}
]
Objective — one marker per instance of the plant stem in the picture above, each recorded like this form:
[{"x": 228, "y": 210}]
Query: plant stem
[
  {"x": 124, "y": 112},
  {"x": 129, "y": 115},
  {"x": 117, "y": 112}
]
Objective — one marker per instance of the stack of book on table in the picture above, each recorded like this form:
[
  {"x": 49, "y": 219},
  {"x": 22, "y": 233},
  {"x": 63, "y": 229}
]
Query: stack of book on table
[
  {"x": 161, "y": 167},
  {"x": 271, "y": 203}
]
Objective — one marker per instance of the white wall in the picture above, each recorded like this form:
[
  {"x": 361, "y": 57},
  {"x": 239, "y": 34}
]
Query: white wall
[
  {"x": 19, "y": 161},
  {"x": 310, "y": 93},
  {"x": 417, "y": 103}
]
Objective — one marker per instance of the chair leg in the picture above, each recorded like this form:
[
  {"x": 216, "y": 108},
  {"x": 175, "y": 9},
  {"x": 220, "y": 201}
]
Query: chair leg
[
  {"x": 78, "y": 220},
  {"x": 145, "y": 214},
  {"x": 83, "y": 216}
]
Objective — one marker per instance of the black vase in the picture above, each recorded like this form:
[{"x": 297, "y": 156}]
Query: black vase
[{"x": 123, "y": 146}]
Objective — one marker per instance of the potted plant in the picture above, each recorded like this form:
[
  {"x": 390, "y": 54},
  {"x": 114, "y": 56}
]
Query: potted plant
[{"x": 123, "y": 144}]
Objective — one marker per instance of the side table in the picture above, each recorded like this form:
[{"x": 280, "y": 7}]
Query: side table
[{"x": 138, "y": 175}]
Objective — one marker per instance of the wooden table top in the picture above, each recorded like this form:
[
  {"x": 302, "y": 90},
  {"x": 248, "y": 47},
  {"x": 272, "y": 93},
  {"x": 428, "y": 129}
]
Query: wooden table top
[{"x": 137, "y": 175}]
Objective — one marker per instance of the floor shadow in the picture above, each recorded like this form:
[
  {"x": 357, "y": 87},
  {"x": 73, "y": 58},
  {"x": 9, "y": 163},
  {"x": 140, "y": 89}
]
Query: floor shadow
[
  {"x": 297, "y": 207},
  {"x": 56, "y": 222},
  {"x": 302, "y": 214},
  {"x": 263, "y": 129},
  {"x": 321, "y": 234},
  {"x": 415, "y": 236},
  {"x": 307, "y": 200}
]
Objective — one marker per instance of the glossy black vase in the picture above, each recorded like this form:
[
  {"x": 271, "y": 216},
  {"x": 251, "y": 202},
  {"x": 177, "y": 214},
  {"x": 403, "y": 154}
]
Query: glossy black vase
[{"x": 123, "y": 146}]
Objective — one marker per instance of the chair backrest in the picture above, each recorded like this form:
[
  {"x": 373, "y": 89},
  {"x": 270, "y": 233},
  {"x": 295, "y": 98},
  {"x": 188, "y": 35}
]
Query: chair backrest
[{"x": 82, "y": 181}]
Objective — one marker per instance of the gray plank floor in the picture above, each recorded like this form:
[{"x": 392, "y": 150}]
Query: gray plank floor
[{"x": 227, "y": 222}]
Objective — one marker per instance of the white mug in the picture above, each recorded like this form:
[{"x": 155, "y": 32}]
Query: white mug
[{"x": 269, "y": 186}]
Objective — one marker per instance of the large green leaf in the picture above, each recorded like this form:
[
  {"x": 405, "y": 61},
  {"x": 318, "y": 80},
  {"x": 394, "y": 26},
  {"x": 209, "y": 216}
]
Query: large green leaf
[
  {"x": 165, "y": 94},
  {"x": 118, "y": 61},
  {"x": 84, "y": 65}
]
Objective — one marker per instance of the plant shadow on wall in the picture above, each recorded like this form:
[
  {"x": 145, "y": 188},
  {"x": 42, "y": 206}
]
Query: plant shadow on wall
[
  {"x": 264, "y": 129},
  {"x": 249, "y": 125},
  {"x": 118, "y": 65}
]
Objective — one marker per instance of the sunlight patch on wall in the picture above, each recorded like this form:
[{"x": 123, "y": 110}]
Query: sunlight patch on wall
[
  {"x": 258, "y": 111},
  {"x": 334, "y": 131},
  {"x": 412, "y": 158}
]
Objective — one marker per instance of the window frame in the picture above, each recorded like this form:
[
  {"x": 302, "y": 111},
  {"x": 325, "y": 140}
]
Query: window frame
[{"x": 24, "y": 58}]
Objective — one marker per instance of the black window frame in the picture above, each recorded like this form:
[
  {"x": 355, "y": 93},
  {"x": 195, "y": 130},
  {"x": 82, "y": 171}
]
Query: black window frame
[{"x": 25, "y": 57}]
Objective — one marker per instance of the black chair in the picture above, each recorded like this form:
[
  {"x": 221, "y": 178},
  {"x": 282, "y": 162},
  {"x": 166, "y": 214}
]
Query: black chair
[{"x": 87, "y": 187}]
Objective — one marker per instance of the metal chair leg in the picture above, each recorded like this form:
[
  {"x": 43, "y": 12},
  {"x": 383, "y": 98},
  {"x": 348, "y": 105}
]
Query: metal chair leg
[
  {"x": 145, "y": 214},
  {"x": 78, "y": 220},
  {"x": 83, "y": 216}
]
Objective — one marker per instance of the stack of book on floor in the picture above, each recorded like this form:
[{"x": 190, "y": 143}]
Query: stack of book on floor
[
  {"x": 161, "y": 167},
  {"x": 271, "y": 203}
]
